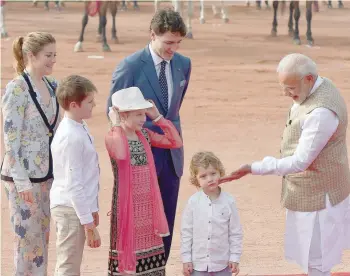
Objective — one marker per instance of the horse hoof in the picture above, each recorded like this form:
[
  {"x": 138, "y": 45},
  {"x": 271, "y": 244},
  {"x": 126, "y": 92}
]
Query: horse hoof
[
  {"x": 78, "y": 47},
  {"x": 310, "y": 42},
  {"x": 202, "y": 21},
  {"x": 226, "y": 20},
  {"x": 340, "y": 5},
  {"x": 273, "y": 33},
  {"x": 189, "y": 35},
  {"x": 297, "y": 41},
  {"x": 115, "y": 40},
  {"x": 106, "y": 48}
]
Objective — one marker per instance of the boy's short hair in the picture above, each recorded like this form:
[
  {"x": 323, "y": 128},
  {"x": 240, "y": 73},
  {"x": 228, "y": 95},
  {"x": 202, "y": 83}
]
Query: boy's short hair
[
  {"x": 74, "y": 88},
  {"x": 203, "y": 159},
  {"x": 168, "y": 20}
]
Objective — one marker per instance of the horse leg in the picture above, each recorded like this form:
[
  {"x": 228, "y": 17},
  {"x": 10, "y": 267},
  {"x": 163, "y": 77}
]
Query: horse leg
[
  {"x": 177, "y": 6},
  {"x": 47, "y": 5},
  {"x": 215, "y": 11},
  {"x": 156, "y": 5},
  {"x": 189, "y": 19},
  {"x": 330, "y": 6},
  {"x": 340, "y": 4},
  {"x": 2, "y": 23},
  {"x": 114, "y": 10},
  {"x": 258, "y": 4},
  {"x": 224, "y": 12},
  {"x": 124, "y": 6},
  {"x": 79, "y": 46},
  {"x": 274, "y": 22},
  {"x": 202, "y": 12},
  {"x": 99, "y": 30},
  {"x": 136, "y": 6},
  {"x": 103, "y": 19},
  {"x": 296, "y": 38},
  {"x": 290, "y": 21},
  {"x": 57, "y": 5},
  {"x": 309, "y": 38}
]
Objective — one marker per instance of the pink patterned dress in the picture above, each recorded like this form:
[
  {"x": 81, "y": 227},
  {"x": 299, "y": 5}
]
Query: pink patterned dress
[{"x": 149, "y": 247}]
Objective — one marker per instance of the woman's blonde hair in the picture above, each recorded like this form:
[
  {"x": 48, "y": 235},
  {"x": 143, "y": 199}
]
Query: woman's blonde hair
[
  {"x": 202, "y": 160},
  {"x": 33, "y": 42}
]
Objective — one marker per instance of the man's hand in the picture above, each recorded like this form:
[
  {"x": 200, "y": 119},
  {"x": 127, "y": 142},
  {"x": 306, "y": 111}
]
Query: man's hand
[
  {"x": 237, "y": 174},
  {"x": 234, "y": 267},
  {"x": 187, "y": 269}
]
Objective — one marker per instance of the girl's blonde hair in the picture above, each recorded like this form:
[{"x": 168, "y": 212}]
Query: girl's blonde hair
[
  {"x": 33, "y": 42},
  {"x": 202, "y": 160}
]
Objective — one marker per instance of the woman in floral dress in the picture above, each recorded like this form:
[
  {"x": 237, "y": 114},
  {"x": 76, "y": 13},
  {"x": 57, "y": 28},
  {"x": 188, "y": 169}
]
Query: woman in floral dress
[
  {"x": 30, "y": 118},
  {"x": 138, "y": 221}
]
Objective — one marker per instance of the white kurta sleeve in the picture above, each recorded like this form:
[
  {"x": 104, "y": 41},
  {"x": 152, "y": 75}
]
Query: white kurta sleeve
[{"x": 317, "y": 129}]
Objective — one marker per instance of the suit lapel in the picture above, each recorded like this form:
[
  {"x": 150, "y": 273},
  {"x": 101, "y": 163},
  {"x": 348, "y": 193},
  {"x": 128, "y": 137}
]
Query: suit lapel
[{"x": 151, "y": 74}]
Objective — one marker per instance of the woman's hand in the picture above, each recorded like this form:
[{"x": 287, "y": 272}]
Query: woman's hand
[{"x": 27, "y": 196}]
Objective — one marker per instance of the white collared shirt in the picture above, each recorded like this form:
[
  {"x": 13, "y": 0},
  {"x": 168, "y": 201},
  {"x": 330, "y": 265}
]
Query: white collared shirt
[
  {"x": 317, "y": 128},
  {"x": 157, "y": 60},
  {"x": 211, "y": 233},
  {"x": 76, "y": 170}
]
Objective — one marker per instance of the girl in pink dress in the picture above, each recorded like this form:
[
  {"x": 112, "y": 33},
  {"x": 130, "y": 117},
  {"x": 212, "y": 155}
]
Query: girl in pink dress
[{"x": 138, "y": 221}]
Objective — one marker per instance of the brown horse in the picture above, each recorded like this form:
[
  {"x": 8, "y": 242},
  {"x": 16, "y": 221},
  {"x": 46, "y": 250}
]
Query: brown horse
[
  {"x": 294, "y": 11},
  {"x": 91, "y": 8}
]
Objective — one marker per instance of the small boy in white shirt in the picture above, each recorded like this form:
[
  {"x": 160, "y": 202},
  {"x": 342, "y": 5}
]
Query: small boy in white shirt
[
  {"x": 74, "y": 192},
  {"x": 211, "y": 234}
]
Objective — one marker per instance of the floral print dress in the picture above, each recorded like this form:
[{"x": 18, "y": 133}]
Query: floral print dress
[{"x": 27, "y": 156}]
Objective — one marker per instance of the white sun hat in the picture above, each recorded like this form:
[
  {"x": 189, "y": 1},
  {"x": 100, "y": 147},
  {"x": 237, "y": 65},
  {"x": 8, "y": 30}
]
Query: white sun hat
[{"x": 129, "y": 99}]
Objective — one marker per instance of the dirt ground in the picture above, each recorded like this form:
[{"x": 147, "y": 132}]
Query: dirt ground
[{"x": 233, "y": 107}]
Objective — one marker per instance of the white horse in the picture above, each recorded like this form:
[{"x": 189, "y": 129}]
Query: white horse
[
  {"x": 179, "y": 7},
  {"x": 223, "y": 12}
]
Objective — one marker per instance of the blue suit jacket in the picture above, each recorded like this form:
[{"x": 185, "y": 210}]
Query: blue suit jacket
[{"x": 138, "y": 70}]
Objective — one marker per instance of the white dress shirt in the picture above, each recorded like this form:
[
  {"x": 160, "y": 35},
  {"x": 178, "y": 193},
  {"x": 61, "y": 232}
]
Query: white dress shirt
[
  {"x": 157, "y": 60},
  {"x": 317, "y": 128},
  {"x": 211, "y": 233},
  {"x": 300, "y": 237},
  {"x": 76, "y": 170}
]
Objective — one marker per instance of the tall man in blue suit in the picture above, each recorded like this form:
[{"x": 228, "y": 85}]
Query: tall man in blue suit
[{"x": 163, "y": 76}]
